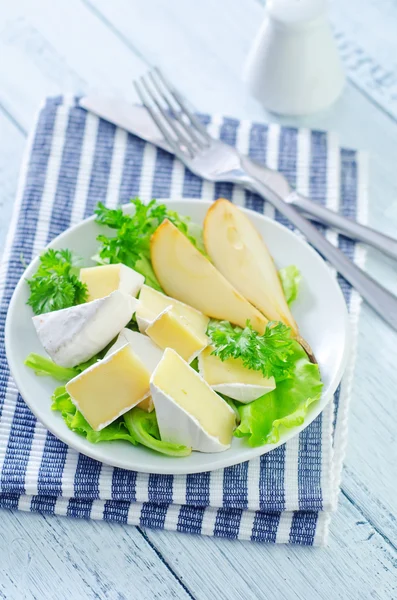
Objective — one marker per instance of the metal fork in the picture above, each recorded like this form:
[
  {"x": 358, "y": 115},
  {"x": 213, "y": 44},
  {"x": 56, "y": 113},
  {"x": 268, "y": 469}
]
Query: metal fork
[{"x": 214, "y": 160}]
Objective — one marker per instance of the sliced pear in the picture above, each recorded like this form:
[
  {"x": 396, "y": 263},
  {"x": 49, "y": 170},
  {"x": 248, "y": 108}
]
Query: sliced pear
[
  {"x": 240, "y": 254},
  {"x": 187, "y": 275}
]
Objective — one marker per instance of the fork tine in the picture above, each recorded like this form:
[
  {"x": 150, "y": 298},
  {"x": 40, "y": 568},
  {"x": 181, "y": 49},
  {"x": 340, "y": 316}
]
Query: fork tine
[
  {"x": 182, "y": 105},
  {"x": 181, "y": 142},
  {"x": 155, "y": 117},
  {"x": 181, "y": 138},
  {"x": 190, "y": 131}
]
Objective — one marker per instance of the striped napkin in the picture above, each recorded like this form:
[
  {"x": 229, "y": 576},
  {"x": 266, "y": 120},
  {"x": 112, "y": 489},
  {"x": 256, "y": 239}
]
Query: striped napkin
[{"x": 73, "y": 160}]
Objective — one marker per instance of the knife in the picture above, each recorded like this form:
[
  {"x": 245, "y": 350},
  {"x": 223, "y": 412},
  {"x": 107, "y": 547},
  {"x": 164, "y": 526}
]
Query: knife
[{"x": 136, "y": 120}]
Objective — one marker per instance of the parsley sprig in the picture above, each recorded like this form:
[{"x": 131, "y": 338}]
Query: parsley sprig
[
  {"x": 56, "y": 285},
  {"x": 131, "y": 243},
  {"x": 269, "y": 353}
]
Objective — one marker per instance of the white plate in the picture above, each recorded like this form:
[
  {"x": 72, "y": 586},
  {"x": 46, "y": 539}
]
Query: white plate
[{"x": 320, "y": 311}]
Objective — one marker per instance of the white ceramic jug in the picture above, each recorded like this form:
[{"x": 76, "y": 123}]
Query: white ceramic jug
[{"x": 294, "y": 67}]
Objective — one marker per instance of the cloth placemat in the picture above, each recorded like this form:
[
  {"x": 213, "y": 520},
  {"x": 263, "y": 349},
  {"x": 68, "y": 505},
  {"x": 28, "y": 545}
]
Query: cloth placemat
[{"x": 73, "y": 160}]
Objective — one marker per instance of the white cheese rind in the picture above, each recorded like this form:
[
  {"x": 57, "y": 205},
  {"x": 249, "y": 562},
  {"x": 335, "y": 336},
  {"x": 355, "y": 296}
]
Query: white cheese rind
[
  {"x": 147, "y": 404},
  {"x": 148, "y": 312},
  {"x": 188, "y": 410},
  {"x": 243, "y": 392},
  {"x": 179, "y": 427},
  {"x": 181, "y": 324},
  {"x": 149, "y": 353},
  {"x": 143, "y": 323},
  {"x": 102, "y": 280},
  {"x": 73, "y": 335},
  {"x": 232, "y": 379},
  {"x": 131, "y": 281},
  {"x": 119, "y": 414},
  {"x": 146, "y": 350}
]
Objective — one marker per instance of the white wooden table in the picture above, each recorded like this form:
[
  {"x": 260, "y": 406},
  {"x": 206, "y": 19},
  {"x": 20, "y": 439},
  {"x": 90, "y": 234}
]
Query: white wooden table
[{"x": 53, "y": 46}]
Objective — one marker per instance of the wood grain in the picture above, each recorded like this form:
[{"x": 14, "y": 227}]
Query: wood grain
[
  {"x": 61, "y": 558},
  {"x": 299, "y": 573},
  {"x": 51, "y": 47},
  {"x": 369, "y": 64}
]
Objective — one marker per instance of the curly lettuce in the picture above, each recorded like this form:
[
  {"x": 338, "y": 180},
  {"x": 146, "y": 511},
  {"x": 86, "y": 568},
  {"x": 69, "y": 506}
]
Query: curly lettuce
[
  {"x": 136, "y": 427},
  {"x": 286, "y": 406},
  {"x": 45, "y": 367},
  {"x": 143, "y": 426},
  {"x": 73, "y": 418}
]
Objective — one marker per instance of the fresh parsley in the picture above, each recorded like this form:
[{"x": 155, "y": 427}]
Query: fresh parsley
[
  {"x": 269, "y": 353},
  {"x": 131, "y": 243},
  {"x": 56, "y": 285}
]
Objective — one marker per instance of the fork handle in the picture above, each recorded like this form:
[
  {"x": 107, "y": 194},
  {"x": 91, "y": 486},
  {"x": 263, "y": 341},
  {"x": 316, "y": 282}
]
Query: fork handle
[
  {"x": 350, "y": 228},
  {"x": 378, "y": 297}
]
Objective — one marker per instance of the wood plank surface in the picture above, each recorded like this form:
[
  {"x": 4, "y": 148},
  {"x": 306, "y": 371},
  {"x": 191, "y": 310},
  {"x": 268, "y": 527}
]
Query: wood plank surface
[
  {"x": 66, "y": 559},
  {"x": 255, "y": 571},
  {"x": 50, "y": 47}
]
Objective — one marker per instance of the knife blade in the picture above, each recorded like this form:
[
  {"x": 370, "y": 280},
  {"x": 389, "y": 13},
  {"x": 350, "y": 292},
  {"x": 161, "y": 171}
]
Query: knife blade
[{"x": 135, "y": 119}]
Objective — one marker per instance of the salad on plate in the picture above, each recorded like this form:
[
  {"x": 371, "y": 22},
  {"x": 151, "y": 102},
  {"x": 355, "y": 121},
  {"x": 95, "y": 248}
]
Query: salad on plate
[{"x": 179, "y": 338}]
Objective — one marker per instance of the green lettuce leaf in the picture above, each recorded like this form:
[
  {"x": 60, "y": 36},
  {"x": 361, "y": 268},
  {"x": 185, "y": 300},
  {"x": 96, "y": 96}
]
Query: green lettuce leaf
[
  {"x": 76, "y": 422},
  {"x": 286, "y": 406},
  {"x": 290, "y": 279},
  {"x": 194, "y": 365},
  {"x": 46, "y": 367},
  {"x": 144, "y": 266},
  {"x": 136, "y": 426},
  {"x": 192, "y": 231},
  {"x": 143, "y": 426}
]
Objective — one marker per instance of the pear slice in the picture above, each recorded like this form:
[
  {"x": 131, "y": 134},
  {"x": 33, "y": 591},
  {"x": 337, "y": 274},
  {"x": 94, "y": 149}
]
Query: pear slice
[
  {"x": 240, "y": 254},
  {"x": 187, "y": 275}
]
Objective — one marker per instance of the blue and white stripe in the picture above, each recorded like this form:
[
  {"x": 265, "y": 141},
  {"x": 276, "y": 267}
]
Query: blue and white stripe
[{"x": 74, "y": 160}]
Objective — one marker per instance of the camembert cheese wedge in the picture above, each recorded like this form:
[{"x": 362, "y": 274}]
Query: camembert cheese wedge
[
  {"x": 232, "y": 379},
  {"x": 188, "y": 411},
  {"x": 148, "y": 352},
  {"x": 170, "y": 330},
  {"x": 110, "y": 387},
  {"x": 152, "y": 303},
  {"x": 73, "y": 335},
  {"x": 105, "y": 279}
]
